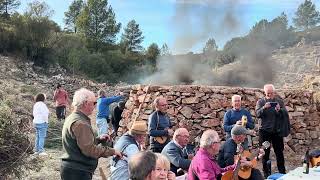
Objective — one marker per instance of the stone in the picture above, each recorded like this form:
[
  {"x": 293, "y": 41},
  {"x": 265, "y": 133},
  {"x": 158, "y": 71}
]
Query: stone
[
  {"x": 186, "y": 111},
  {"x": 210, "y": 123},
  {"x": 190, "y": 100}
]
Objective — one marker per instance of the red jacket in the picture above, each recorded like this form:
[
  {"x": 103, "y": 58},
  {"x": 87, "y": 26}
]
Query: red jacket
[{"x": 61, "y": 97}]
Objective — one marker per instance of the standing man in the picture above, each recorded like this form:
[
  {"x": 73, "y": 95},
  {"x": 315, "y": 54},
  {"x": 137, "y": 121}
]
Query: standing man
[
  {"x": 115, "y": 115},
  {"x": 273, "y": 115},
  {"x": 159, "y": 125},
  {"x": 233, "y": 117},
  {"x": 102, "y": 118},
  {"x": 228, "y": 151},
  {"x": 81, "y": 147},
  {"x": 174, "y": 151},
  {"x": 203, "y": 165},
  {"x": 128, "y": 144},
  {"x": 61, "y": 98}
]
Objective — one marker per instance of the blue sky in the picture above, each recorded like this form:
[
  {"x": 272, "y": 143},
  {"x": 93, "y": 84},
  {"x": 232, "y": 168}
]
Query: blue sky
[{"x": 157, "y": 18}]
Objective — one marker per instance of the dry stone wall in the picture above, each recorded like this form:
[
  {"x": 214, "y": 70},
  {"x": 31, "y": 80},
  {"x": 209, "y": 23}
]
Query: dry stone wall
[{"x": 202, "y": 107}]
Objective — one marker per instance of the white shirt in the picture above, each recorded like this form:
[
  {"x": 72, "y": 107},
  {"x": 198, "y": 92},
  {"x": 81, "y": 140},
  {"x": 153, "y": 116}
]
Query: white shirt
[{"x": 40, "y": 113}]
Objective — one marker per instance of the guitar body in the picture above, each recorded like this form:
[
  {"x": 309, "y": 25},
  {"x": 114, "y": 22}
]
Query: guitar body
[
  {"x": 161, "y": 139},
  {"x": 228, "y": 175},
  {"x": 245, "y": 172}
]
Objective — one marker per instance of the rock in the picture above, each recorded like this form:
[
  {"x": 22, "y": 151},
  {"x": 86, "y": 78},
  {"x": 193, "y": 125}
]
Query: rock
[
  {"x": 210, "y": 123},
  {"x": 190, "y": 100},
  {"x": 186, "y": 111}
]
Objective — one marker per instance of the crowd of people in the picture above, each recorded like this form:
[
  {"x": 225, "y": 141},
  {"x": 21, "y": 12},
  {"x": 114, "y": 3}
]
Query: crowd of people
[{"x": 168, "y": 156}]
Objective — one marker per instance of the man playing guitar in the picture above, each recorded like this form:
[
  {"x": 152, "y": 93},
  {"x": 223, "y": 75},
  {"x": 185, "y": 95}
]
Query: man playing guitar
[
  {"x": 159, "y": 125},
  {"x": 228, "y": 151}
]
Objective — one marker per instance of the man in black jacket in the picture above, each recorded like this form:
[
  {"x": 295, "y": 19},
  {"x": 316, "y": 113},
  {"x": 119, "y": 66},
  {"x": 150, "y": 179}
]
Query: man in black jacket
[
  {"x": 229, "y": 149},
  {"x": 273, "y": 115}
]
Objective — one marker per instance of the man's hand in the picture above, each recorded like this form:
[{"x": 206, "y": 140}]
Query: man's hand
[
  {"x": 190, "y": 156},
  {"x": 239, "y": 122},
  {"x": 252, "y": 133},
  {"x": 118, "y": 154},
  {"x": 261, "y": 153},
  {"x": 104, "y": 137},
  {"x": 170, "y": 132},
  {"x": 267, "y": 105},
  {"x": 171, "y": 176}
]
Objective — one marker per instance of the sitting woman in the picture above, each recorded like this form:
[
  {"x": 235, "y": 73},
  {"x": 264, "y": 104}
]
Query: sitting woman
[{"x": 163, "y": 168}]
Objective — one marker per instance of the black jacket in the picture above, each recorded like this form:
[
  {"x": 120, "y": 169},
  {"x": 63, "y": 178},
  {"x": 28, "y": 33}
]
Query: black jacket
[{"x": 271, "y": 120}]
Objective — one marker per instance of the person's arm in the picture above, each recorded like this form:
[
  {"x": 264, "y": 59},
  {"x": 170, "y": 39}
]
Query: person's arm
[
  {"x": 113, "y": 99},
  {"x": 227, "y": 126},
  {"x": 250, "y": 122},
  {"x": 259, "y": 109},
  {"x": 207, "y": 171},
  {"x": 55, "y": 95},
  {"x": 228, "y": 157},
  {"x": 175, "y": 158},
  {"x": 152, "y": 126},
  {"x": 86, "y": 141}
]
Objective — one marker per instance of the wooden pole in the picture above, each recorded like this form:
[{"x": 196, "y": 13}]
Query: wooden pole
[{"x": 140, "y": 106}]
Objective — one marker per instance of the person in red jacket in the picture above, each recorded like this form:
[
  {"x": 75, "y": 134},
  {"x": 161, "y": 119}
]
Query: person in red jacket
[{"x": 61, "y": 98}]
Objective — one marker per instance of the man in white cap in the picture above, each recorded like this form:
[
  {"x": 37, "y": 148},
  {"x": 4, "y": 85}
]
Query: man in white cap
[{"x": 129, "y": 144}]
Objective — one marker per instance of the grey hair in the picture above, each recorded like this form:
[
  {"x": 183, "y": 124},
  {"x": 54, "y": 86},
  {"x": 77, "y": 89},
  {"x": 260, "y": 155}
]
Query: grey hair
[
  {"x": 269, "y": 85},
  {"x": 235, "y": 96},
  {"x": 101, "y": 93},
  {"x": 81, "y": 96},
  {"x": 208, "y": 138},
  {"x": 178, "y": 132}
]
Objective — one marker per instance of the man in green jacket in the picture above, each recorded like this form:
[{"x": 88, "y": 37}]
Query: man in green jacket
[{"x": 79, "y": 143}]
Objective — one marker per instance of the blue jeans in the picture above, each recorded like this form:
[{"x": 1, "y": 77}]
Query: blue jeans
[
  {"x": 41, "y": 134},
  {"x": 102, "y": 125}
]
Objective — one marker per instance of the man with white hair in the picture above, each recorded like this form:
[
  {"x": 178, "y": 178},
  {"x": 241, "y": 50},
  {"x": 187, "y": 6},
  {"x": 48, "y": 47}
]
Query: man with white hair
[
  {"x": 175, "y": 151},
  {"x": 79, "y": 143},
  {"x": 203, "y": 165},
  {"x": 274, "y": 126},
  {"x": 233, "y": 116}
]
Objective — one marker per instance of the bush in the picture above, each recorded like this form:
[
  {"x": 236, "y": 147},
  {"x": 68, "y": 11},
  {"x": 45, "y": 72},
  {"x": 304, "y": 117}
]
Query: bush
[{"x": 15, "y": 146}]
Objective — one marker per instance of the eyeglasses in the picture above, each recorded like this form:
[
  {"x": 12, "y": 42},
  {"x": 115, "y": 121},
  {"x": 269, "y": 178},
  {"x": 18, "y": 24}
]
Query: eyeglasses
[
  {"x": 94, "y": 103},
  {"x": 161, "y": 169},
  {"x": 163, "y": 104}
]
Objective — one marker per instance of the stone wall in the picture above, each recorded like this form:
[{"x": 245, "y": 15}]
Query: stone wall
[{"x": 202, "y": 107}]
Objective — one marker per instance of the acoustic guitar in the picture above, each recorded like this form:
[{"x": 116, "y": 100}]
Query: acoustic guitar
[
  {"x": 161, "y": 139},
  {"x": 245, "y": 172},
  {"x": 233, "y": 174}
]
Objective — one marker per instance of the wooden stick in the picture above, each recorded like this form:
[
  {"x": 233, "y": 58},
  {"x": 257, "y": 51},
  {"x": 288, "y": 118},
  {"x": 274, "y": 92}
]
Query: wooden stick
[
  {"x": 140, "y": 106},
  {"x": 103, "y": 176}
]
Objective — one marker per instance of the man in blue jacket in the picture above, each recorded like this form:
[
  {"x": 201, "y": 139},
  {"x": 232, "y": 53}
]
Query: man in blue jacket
[
  {"x": 102, "y": 117},
  {"x": 175, "y": 151},
  {"x": 233, "y": 117},
  {"x": 159, "y": 126}
]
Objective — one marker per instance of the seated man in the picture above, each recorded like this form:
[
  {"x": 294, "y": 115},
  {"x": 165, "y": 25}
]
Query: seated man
[
  {"x": 174, "y": 151},
  {"x": 128, "y": 144},
  {"x": 203, "y": 165},
  {"x": 229, "y": 150}
]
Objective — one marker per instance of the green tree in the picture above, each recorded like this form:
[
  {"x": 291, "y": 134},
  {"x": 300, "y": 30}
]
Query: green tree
[
  {"x": 306, "y": 16},
  {"x": 165, "y": 51},
  {"x": 132, "y": 37},
  {"x": 72, "y": 14},
  {"x": 210, "y": 46},
  {"x": 153, "y": 52},
  {"x": 39, "y": 10},
  {"x": 6, "y": 6},
  {"x": 98, "y": 22}
]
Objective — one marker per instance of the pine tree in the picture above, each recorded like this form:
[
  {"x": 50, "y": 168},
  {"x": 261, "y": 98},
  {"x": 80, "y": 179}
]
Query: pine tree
[
  {"x": 6, "y": 6},
  {"x": 132, "y": 37},
  {"x": 210, "y": 46},
  {"x": 306, "y": 16},
  {"x": 98, "y": 22},
  {"x": 165, "y": 51},
  {"x": 73, "y": 13}
]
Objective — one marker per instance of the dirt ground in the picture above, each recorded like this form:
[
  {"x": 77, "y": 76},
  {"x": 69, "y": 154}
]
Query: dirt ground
[{"x": 51, "y": 164}]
